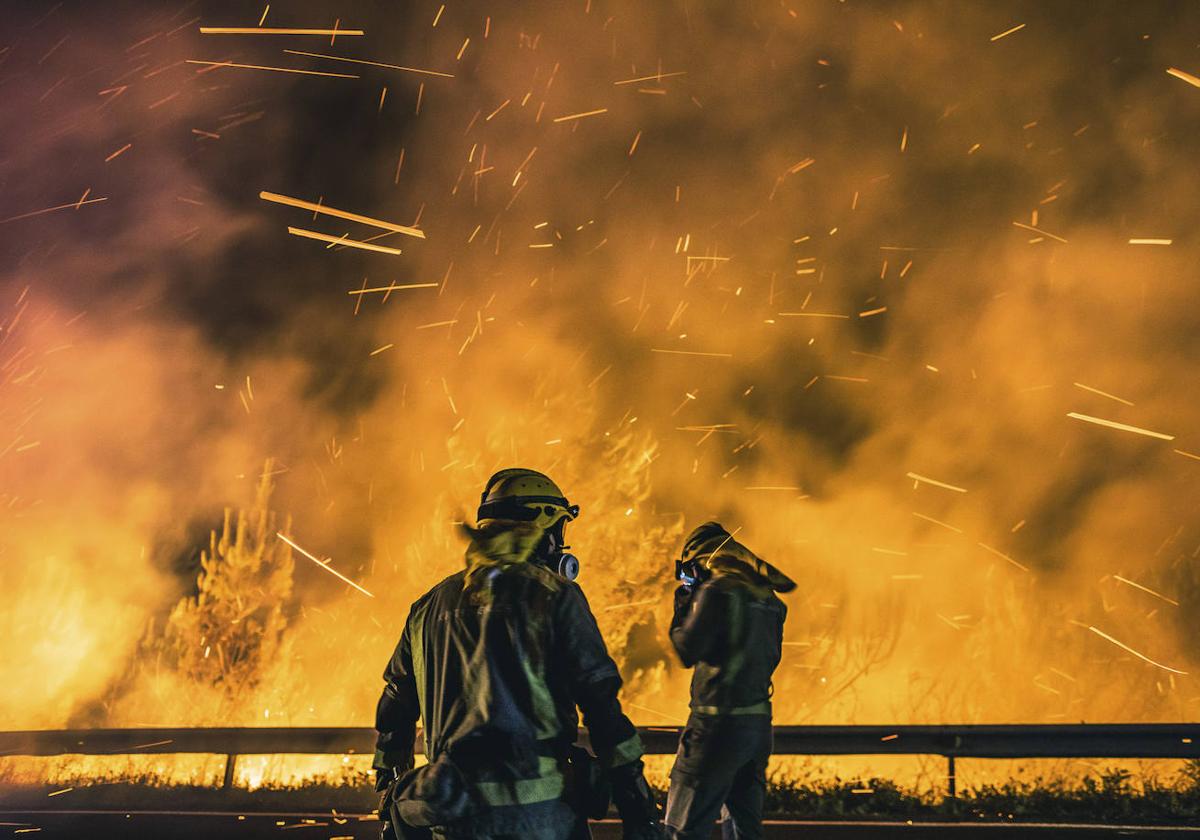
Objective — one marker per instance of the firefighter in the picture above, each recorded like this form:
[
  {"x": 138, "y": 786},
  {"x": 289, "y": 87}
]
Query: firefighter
[
  {"x": 728, "y": 625},
  {"x": 495, "y": 660}
]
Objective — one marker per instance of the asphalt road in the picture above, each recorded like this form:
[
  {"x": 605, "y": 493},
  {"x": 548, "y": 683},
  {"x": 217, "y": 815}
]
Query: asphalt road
[{"x": 102, "y": 825}]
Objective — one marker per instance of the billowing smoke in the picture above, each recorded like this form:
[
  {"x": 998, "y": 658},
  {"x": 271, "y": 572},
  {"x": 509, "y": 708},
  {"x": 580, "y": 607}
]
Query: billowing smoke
[{"x": 835, "y": 274}]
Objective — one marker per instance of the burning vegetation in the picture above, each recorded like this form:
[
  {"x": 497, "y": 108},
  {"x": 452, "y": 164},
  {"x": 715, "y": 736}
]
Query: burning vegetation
[
  {"x": 904, "y": 291},
  {"x": 217, "y": 646}
]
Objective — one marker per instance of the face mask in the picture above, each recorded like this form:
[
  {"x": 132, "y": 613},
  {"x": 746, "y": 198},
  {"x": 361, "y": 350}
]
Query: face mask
[
  {"x": 568, "y": 566},
  {"x": 690, "y": 573},
  {"x": 557, "y": 559}
]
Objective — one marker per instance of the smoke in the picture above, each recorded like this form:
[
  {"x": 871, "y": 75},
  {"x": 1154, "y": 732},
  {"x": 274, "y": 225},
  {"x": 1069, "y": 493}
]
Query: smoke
[{"x": 808, "y": 254}]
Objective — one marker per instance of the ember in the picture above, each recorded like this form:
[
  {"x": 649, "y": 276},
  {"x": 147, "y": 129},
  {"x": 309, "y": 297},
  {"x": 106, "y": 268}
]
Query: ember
[{"x": 837, "y": 279}]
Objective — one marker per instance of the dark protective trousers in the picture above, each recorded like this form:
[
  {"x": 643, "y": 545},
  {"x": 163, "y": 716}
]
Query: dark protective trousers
[
  {"x": 720, "y": 768},
  {"x": 552, "y": 820}
]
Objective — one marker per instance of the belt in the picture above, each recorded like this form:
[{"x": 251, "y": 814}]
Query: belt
[{"x": 763, "y": 708}]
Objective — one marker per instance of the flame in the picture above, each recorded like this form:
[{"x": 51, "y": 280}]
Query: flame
[{"x": 682, "y": 266}]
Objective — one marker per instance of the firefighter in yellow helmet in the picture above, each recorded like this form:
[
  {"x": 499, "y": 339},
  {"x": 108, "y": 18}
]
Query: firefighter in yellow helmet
[
  {"x": 496, "y": 660},
  {"x": 728, "y": 625}
]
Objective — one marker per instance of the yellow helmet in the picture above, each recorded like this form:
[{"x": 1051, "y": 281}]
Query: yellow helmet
[{"x": 525, "y": 495}]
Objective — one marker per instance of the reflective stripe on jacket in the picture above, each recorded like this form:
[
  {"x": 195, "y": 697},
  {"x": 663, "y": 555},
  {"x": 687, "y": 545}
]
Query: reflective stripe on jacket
[{"x": 494, "y": 660}]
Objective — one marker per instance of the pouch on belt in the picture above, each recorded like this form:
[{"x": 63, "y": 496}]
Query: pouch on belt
[{"x": 435, "y": 794}]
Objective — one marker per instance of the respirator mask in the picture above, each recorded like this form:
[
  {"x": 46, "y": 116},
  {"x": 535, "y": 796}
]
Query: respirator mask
[
  {"x": 690, "y": 573},
  {"x": 554, "y": 555}
]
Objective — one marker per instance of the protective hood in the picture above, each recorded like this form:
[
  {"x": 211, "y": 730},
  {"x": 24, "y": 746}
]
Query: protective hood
[
  {"x": 715, "y": 549},
  {"x": 500, "y": 542}
]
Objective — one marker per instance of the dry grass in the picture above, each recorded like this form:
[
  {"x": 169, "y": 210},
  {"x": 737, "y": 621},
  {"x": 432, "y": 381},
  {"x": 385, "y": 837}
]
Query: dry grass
[{"x": 1108, "y": 796}]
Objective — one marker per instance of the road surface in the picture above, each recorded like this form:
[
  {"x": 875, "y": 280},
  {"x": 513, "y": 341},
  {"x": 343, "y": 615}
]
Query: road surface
[{"x": 102, "y": 825}]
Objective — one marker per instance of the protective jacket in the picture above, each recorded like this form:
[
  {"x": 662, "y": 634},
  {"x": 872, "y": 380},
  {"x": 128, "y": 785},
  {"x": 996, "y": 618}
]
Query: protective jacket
[
  {"x": 494, "y": 660},
  {"x": 730, "y": 627}
]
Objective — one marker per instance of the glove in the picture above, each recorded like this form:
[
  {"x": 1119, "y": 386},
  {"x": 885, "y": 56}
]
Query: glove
[
  {"x": 384, "y": 776},
  {"x": 640, "y": 816},
  {"x": 683, "y": 596},
  {"x": 383, "y": 786},
  {"x": 644, "y": 831}
]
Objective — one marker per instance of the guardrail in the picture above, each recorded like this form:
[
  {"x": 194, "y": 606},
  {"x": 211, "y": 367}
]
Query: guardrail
[{"x": 1083, "y": 740}]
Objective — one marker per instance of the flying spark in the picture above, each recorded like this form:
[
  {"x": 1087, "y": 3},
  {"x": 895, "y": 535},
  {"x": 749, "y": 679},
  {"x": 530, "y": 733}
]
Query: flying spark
[
  {"x": 392, "y": 288},
  {"x": 655, "y": 78},
  {"x": 1194, "y": 81},
  {"x": 1127, "y": 648},
  {"x": 924, "y": 480},
  {"x": 1003, "y": 556},
  {"x": 1145, "y": 589},
  {"x": 1123, "y": 427},
  {"x": 812, "y": 315},
  {"x": 216, "y": 64},
  {"x": 340, "y": 214},
  {"x": 1101, "y": 393},
  {"x": 1042, "y": 232},
  {"x": 692, "y": 353},
  {"x": 372, "y": 63},
  {"x": 75, "y": 204},
  {"x": 267, "y": 30},
  {"x": 324, "y": 564},
  {"x": 341, "y": 240},
  {"x": 1016, "y": 28},
  {"x": 580, "y": 116},
  {"x": 937, "y": 522}
]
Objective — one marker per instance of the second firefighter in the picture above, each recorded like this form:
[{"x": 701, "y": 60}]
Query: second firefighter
[{"x": 728, "y": 625}]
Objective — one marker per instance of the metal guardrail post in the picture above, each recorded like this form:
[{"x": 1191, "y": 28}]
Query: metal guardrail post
[
  {"x": 952, "y": 775},
  {"x": 230, "y": 766}
]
